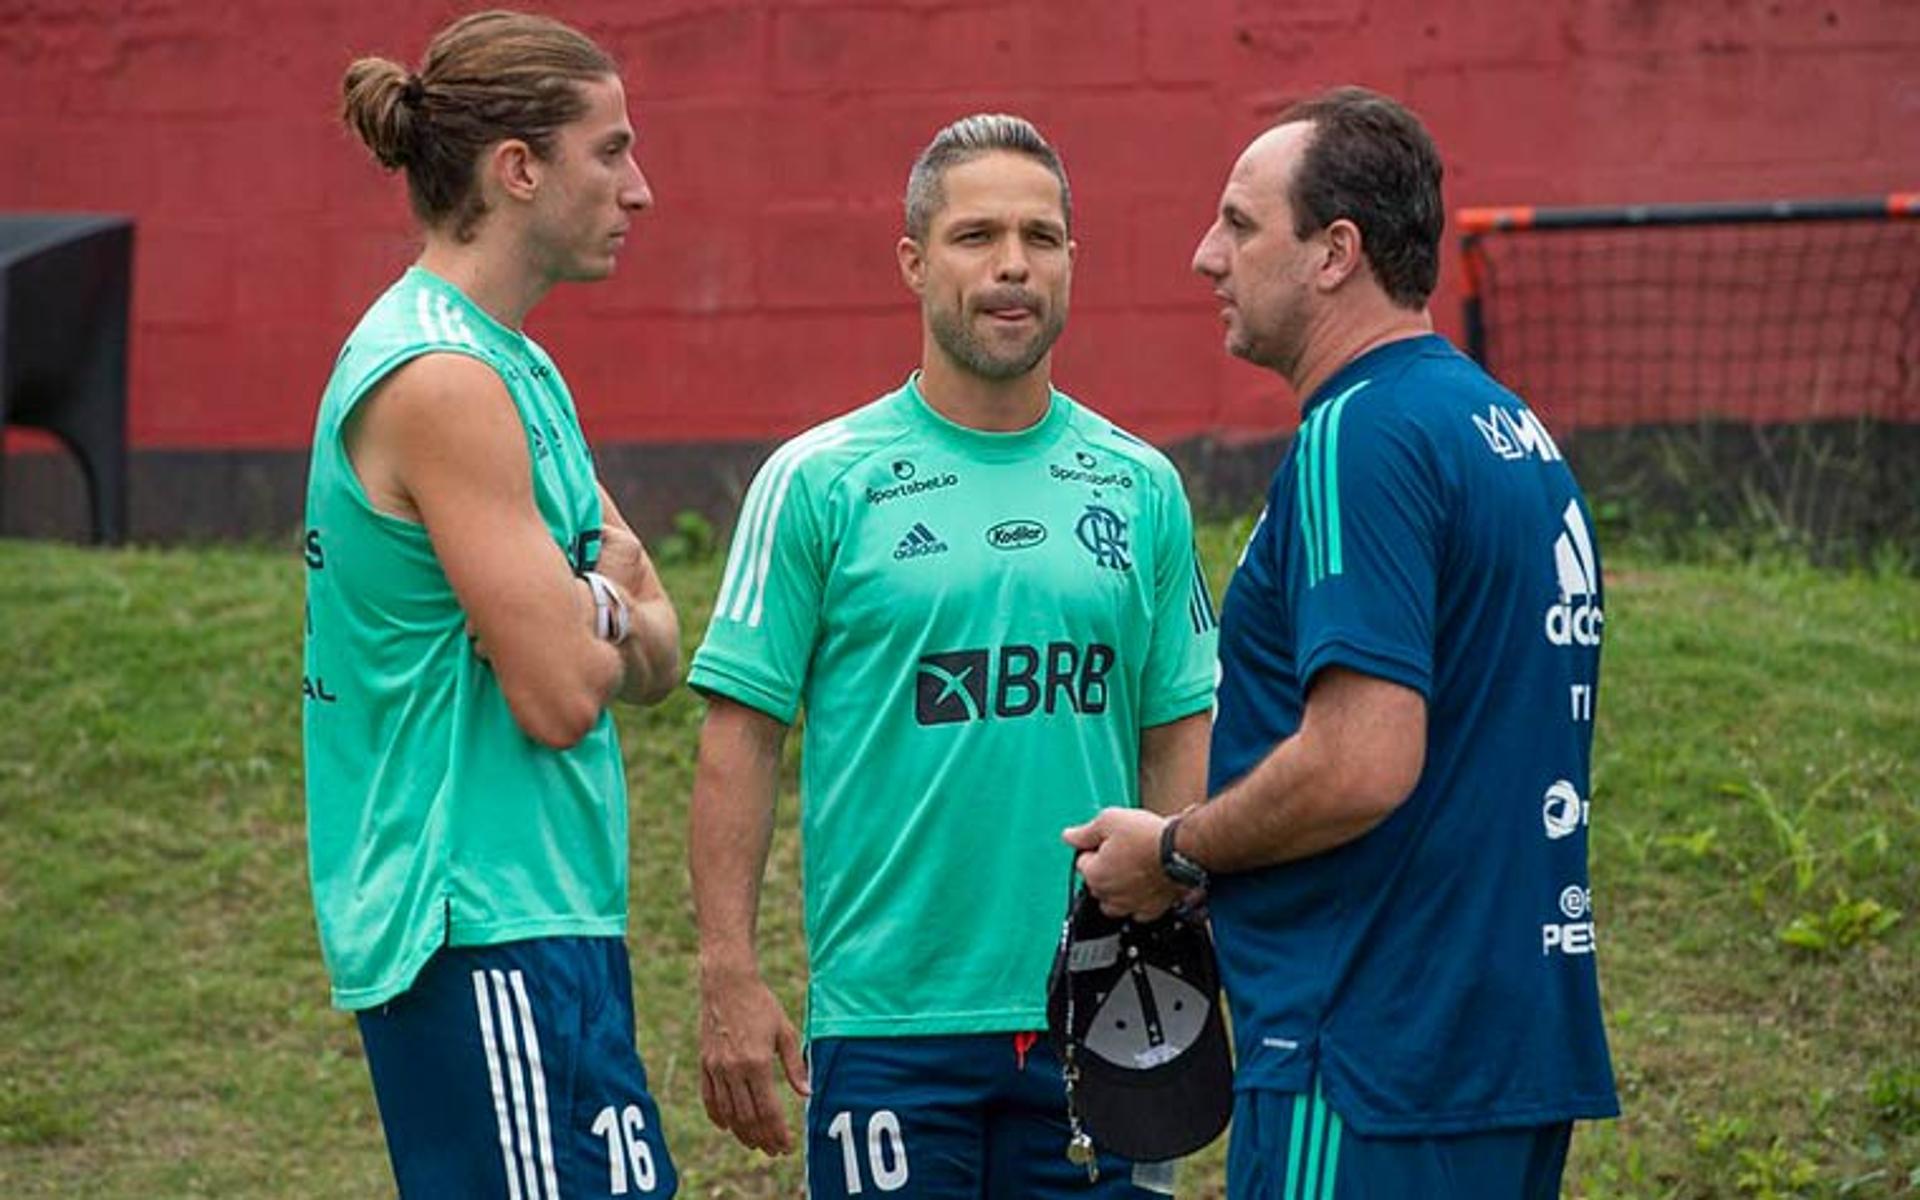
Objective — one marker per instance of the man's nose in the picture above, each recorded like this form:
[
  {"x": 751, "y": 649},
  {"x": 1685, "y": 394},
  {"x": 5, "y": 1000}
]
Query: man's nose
[
  {"x": 637, "y": 194},
  {"x": 1012, "y": 265},
  {"x": 1208, "y": 260}
]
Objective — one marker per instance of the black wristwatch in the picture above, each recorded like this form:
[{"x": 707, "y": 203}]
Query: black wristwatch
[{"x": 1178, "y": 867}]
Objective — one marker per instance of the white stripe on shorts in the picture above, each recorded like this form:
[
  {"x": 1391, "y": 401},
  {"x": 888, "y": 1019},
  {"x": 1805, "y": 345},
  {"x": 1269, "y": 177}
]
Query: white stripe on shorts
[
  {"x": 483, "y": 1001},
  {"x": 516, "y": 1078},
  {"x": 531, "y": 1037}
]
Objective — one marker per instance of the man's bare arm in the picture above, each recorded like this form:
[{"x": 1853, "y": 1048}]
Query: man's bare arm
[
  {"x": 1356, "y": 758},
  {"x": 1173, "y": 764},
  {"x": 743, "y": 1028},
  {"x": 440, "y": 443}
]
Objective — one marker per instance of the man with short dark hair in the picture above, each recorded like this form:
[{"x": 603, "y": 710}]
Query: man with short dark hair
[
  {"x": 986, "y": 599},
  {"x": 1396, "y": 834}
]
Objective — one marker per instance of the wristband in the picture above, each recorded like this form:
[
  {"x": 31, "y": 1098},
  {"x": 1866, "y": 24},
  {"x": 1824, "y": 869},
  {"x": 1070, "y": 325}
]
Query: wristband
[
  {"x": 611, "y": 619},
  {"x": 1177, "y": 866}
]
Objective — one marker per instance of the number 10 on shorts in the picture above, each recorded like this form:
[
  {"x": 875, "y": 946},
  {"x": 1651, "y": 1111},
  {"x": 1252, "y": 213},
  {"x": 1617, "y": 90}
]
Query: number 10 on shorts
[{"x": 886, "y": 1150}]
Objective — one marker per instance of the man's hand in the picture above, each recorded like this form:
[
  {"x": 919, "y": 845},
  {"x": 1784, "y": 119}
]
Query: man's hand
[
  {"x": 623, "y": 559},
  {"x": 651, "y": 654},
  {"x": 1120, "y": 860},
  {"x": 742, "y": 1029}
]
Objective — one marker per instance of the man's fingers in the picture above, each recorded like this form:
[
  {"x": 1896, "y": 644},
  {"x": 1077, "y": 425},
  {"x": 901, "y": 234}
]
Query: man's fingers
[
  {"x": 740, "y": 1105},
  {"x": 794, "y": 1060},
  {"x": 762, "y": 1124},
  {"x": 741, "y": 1036},
  {"x": 1083, "y": 837},
  {"x": 721, "y": 1093},
  {"x": 770, "y": 1119},
  {"x": 1091, "y": 869},
  {"x": 718, "y": 1098},
  {"x": 757, "y": 1119},
  {"x": 713, "y": 1096}
]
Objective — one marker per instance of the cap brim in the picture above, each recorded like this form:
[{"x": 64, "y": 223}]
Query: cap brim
[{"x": 1165, "y": 1112}]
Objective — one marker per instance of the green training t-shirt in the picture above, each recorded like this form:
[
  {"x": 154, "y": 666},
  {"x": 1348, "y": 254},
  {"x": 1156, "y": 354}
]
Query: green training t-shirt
[
  {"x": 978, "y": 626},
  {"x": 432, "y": 818}
]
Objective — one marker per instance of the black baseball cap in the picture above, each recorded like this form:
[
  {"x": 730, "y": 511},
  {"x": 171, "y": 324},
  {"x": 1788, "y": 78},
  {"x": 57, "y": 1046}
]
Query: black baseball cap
[{"x": 1134, "y": 1011}]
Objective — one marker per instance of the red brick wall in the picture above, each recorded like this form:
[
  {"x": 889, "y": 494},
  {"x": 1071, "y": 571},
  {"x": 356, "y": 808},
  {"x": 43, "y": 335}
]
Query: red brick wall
[{"x": 761, "y": 294}]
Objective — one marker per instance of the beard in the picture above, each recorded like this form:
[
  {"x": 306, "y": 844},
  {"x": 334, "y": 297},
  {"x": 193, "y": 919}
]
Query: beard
[{"x": 978, "y": 356}]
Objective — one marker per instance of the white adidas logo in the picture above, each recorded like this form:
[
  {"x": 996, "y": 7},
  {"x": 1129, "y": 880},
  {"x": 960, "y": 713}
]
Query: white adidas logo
[
  {"x": 918, "y": 543},
  {"x": 1575, "y": 620}
]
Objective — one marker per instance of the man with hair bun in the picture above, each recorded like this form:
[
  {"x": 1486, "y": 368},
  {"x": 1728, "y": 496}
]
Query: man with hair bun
[
  {"x": 986, "y": 600},
  {"x": 475, "y": 602}
]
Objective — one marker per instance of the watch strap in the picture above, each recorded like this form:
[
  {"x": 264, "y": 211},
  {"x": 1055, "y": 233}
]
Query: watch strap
[{"x": 1177, "y": 866}]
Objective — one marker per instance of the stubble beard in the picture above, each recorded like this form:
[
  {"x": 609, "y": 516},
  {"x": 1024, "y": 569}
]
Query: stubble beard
[
  {"x": 1279, "y": 350},
  {"x": 591, "y": 264},
  {"x": 975, "y": 356}
]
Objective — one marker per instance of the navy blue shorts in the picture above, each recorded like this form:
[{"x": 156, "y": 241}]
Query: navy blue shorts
[
  {"x": 968, "y": 1116},
  {"x": 510, "y": 1071},
  {"x": 1293, "y": 1146}
]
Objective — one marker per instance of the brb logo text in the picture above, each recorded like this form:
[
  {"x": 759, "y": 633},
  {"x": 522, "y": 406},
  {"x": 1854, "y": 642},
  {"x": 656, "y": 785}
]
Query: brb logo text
[{"x": 1011, "y": 681}]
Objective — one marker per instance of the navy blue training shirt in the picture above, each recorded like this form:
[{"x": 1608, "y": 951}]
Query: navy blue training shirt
[{"x": 1438, "y": 971}]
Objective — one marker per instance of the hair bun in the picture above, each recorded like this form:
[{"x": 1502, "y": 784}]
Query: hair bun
[{"x": 380, "y": 101}]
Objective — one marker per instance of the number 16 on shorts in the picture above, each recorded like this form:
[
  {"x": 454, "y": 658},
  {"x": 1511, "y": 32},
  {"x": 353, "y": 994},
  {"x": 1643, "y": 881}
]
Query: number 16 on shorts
[{"x": 629, "y": 1159}]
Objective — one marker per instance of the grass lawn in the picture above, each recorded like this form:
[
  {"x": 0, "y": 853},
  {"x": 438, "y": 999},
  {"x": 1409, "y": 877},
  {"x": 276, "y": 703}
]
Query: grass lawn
[{"x": 163, "y": 1019}]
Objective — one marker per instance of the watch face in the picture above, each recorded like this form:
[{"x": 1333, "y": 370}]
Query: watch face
[{"x": 1184, "y": 870}]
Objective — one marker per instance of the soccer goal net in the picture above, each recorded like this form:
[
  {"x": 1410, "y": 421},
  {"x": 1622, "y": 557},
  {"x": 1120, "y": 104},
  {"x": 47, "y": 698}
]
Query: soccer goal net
[{"x": 1751, "y": 367}]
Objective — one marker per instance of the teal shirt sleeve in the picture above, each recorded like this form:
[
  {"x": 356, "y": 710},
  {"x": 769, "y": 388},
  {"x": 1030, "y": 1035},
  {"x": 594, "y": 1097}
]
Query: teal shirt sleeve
[
  {"x": 1179, "y": 676},
  {"x": 767, "y": 615}
]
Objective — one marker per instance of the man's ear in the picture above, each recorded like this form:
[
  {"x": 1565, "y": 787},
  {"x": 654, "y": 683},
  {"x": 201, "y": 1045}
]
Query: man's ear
[
  {"x": 514, "y": 168},
  {"x": 1345, "y": 256},
  {"x": 913, "y": 264}
]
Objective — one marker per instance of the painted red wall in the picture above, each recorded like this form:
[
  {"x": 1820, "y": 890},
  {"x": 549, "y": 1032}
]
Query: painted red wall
[{"x": 761, "y": 294}]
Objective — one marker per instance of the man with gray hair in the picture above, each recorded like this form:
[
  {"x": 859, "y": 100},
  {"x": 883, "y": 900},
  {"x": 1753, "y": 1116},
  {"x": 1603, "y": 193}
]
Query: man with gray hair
[{"x": 986, "y": 600}]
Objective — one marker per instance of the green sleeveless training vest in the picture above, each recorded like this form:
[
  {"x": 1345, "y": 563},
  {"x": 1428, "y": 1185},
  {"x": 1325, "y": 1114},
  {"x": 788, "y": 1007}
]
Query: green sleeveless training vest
[{"x": 431, "y": 817}]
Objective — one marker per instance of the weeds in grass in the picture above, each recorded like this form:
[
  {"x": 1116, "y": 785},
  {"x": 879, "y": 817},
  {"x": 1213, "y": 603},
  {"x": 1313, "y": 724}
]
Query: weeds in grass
[
  {"x": 1894, "y": 1093},
  {"x": 1698, "y": 845},
  {"x": 1791, "y": 830},
  {"x": 1775, "y": 1172},
  {"x": 1848, "y": 923}
]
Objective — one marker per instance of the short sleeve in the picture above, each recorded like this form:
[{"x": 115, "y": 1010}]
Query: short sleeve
[
  {"x": 767, "y": 614},
  {"x": 1369, "y": 508},
  {"x": 1181, "y": 649}
]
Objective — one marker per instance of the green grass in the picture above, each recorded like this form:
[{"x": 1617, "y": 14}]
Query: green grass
[{"x": 163, "y": 1019}]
